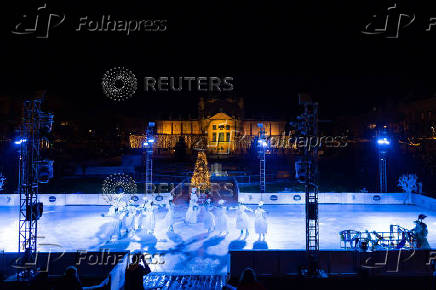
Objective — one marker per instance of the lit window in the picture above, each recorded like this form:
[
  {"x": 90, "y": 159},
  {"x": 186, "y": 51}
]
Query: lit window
[
  {"x": 214, "y": 137},
  {"x": 228, "y": 137},
  {"x": 221, "y": 137}
]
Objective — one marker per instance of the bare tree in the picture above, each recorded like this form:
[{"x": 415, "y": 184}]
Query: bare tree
[{"x": 407, "y": 182}]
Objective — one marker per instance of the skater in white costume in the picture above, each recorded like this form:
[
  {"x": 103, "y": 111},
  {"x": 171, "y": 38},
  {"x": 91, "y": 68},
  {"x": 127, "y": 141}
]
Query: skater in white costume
[
  {"x": 128, "y": 219},
  {"x": 140, "y": 217},
  {"x": 114, "y": 228},
  {"x": 169, "y": 219},
  {"x": 242, "y": 220},
  {"x": 209, "y": 217},
  {"x": 221, "y": 220},
  {"x": 192, "y": 212},
  {"x": 139, "y": 210},
  {"x": 149, "y": 222},
  {"x": 260, "y": 222},
  {"x": 122, "y": 211}
]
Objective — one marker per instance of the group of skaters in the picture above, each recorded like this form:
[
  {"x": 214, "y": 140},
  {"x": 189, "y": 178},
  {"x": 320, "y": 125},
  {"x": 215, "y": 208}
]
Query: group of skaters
[
  {"x": 215, "y": 218},
  {"x": 130, "y": 219}
]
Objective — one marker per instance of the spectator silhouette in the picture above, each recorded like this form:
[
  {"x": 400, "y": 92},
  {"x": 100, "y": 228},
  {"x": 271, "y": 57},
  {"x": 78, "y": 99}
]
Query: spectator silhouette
[
  {"x": 248, "y": 281},
  {"x": 135, "y": 273},
  {"x": 70, "y": 281}
]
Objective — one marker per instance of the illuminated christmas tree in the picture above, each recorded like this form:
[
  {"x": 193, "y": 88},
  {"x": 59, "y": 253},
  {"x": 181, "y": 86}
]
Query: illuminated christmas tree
[{"x": 201, "y": 176}]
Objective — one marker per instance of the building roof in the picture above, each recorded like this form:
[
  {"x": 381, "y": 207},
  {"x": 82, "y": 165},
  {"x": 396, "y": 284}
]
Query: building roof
[{"x": 220, "y": 116}]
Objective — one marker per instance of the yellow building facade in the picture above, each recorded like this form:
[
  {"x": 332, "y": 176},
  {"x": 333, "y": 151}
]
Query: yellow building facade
[{"x": 218, "y": 133}]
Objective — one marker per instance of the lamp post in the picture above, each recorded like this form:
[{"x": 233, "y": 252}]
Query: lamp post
[
  {"x": 148, "y": 146},
  {"x": 262, "y": 145},
  {"x": 383, "y": 144}
]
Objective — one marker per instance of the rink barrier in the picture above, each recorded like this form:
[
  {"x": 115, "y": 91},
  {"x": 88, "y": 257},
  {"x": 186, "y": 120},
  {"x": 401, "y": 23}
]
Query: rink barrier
[
  {"x": 424, "y": 201},
  {"x": 245, "y": 197},
  {"x": 277, "y": 263},
  {"x": 81, "y": 199},
  {"x": 325, "y": 197}
]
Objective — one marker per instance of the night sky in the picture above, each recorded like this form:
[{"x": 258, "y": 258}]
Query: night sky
[{"x": 272, "y": 50}]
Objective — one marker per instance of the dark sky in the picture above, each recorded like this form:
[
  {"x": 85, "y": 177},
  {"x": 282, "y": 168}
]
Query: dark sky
[{"x": 272, "y": 50}]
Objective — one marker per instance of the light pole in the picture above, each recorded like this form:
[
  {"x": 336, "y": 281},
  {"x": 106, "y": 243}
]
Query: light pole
[
  {"x": 148, "y": 146},
  {"x": 383, "y": 144},
  {"x": 262, "y": 145}
]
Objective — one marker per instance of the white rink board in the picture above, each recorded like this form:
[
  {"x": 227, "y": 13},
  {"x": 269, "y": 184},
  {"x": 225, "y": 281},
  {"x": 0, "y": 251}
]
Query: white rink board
[
  {"x": 245, "y": 197},
  {"x": 79, "y": 199},
  {"x": 324, "y": 197}
]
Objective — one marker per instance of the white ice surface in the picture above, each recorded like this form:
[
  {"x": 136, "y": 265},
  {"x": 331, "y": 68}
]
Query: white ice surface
[{"x": 190, "y": 249}]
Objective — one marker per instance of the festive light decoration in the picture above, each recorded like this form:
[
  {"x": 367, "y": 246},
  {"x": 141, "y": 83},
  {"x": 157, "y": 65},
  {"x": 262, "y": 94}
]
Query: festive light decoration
[
  {"x": 119, "y": 84},
  {"x": 201, "y": 176},
  {"x": 118, "y": 188},
  {"x": 241, "y": 143}
]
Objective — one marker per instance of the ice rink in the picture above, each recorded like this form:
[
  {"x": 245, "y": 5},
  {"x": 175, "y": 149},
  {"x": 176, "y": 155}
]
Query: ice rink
[{"x": 190, "y": 249}]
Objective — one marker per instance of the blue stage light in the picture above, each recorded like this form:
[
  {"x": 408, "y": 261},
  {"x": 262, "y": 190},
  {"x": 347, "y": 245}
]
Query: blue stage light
[
  {"x": 145, "y": 144},
  {"x": 18, "y": 142},
  {"x": 151, "y": 140},
  {"x": 262, "y": 143},
  {"x": 383, "y": 141}
]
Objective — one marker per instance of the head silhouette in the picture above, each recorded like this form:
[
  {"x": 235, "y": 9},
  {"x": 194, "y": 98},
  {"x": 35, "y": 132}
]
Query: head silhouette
[{"x": 248, "y": 276}]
